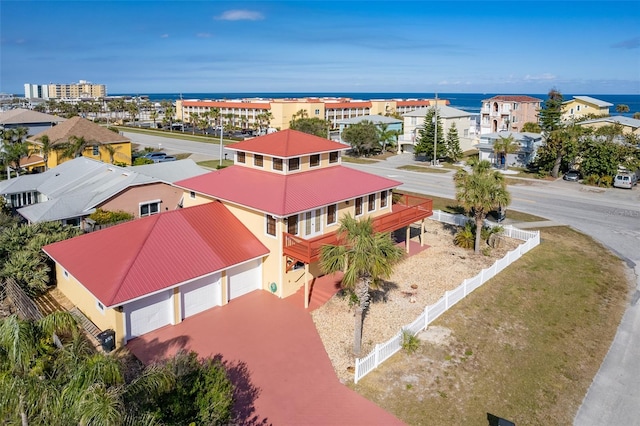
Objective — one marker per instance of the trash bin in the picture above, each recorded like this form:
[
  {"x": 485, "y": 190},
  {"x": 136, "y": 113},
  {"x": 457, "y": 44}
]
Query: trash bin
[{"x": 107, "y": 340}]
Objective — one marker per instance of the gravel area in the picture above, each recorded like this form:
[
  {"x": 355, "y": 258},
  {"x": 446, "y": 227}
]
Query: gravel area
[{"x": 441, "y": 267}]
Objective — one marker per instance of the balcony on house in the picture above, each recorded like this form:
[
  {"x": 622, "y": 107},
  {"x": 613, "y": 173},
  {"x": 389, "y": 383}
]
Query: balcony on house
[{"x": 404, "y": 211}]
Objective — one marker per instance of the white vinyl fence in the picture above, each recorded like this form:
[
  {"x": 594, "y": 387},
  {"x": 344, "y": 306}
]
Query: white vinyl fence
[{"x": 383, "y": 351}]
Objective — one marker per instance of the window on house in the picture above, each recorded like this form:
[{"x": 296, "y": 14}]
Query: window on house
[
  {"x": 241, "y": 157},
  {"x": 358, "y": 206},
  {"x": 333, "y": 157},
  {"x": 317, "y": 112},
  {"x": 258, "y": 160},
  {"x": 466, "y": 133},
  {"x": 96, "y": 150},
  {"x": 292, "y": 225},
  {"x": 277, "y": 164},
  {"x": 66, "y": 274},
  {"x": 192, "y": 194},
  {"x": 271, "y": 225},
  {"x": 372, "y": 202},
  {"x": 384, "y": 199},
  {"x": 100, "y": 306},
  {"x": 294, "y": 163},
  {"x": 150, "y": 208},
  {"x": 314, "y": 160},
  {"x": 332, "y": 215}
]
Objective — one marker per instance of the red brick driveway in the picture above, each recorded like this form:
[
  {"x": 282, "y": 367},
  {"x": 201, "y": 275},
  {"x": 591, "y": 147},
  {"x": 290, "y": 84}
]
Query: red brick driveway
[{"x": 279, "y": 364}]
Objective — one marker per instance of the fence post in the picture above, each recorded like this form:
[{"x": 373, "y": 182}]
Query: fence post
[
  {"x": 355, "y": 373},
  {"x": 426, "y": 316},
  {"x": 376, "y": 355},
  {"x": 464, "y": 283},
  {"x": 446, "y": 300}
]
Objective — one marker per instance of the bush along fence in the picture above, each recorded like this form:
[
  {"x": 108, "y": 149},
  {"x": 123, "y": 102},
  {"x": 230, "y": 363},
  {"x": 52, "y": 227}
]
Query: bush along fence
[{"x": 383, "y": 351}]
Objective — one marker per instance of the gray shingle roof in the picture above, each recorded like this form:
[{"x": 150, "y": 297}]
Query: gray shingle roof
[
  {"x": 593, "y": 101},
  {"x": 620, "y": 119},
  {"x": 443, "y": 111},
  {"x": 80, "y": 127},
  {"x": 376, "y": 119},
  {"x": 170, "y": 171},
  {"x": 27, "y": 116}
]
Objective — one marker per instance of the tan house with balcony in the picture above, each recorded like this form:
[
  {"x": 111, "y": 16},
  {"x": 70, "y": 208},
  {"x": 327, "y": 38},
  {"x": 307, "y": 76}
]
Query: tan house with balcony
[
  {"x": 255, "y": 226},
  {"x": 508, "y": 113}
]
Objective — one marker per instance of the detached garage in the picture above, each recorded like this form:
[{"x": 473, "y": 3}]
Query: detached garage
[{"x": 156, "y": 271}]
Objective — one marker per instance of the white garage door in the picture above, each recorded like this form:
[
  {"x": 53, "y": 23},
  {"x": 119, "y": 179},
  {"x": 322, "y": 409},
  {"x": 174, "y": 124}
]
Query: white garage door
[
  {"x": 244, "y": 278},
  {"x": 201, "y": 294},
  {"x": 145, "y": 315}
]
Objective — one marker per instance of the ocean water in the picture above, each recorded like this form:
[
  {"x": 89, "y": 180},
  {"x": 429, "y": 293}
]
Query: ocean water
[{"x": 470, "y": 102}]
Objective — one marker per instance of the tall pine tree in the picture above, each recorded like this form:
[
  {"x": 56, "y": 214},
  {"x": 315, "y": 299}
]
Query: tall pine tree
[
  {"x": 550, "y": 118},
  {"x": 454, "y": 153},
  {"x": 427, "y": 136}
]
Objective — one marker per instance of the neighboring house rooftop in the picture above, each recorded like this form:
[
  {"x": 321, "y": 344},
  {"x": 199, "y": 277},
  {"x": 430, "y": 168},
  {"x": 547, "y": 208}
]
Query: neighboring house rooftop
[
  {"x": 27, "y": 116},
  {"x": 284, "y": 195},
  {"x": 170, "y": 171},
  {"x": 76, "y": 187},
  {"x": 443, "y": 111},
  {"x": 287, "y": 143},
  {"x": 376, "y": 119},
  {"x": 80, "y": 127},
  {"x": 513, "y": 98},
  {"x": 592, "y": 101},
  {"x": 616, "y": 119},
  {"x": 517, "y": 136},
  {"x": 151, "y": 254}
]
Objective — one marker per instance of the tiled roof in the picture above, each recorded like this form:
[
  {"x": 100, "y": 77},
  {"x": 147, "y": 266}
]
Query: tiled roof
[
  {"x": 144, "y": 256},
  {"x": 513, "y": 98},
  {"x": 224, "y": 104},
  {"x": 27, "y": 116},
  {"x": 422, "y": 102},
  {"x": 347, "y": 105},
  {"x": 284, "y": 195},
  {"x": 80, "y": 127},
  {"x": 287, "y": 143}
]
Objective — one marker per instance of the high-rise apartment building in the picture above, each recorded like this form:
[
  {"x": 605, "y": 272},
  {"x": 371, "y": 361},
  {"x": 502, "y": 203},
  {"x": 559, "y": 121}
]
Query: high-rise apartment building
[{"x": 81, "y": 90}]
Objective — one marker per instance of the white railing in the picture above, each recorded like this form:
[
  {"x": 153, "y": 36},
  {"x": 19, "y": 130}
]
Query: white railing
[{"x": 383, "y": 351}]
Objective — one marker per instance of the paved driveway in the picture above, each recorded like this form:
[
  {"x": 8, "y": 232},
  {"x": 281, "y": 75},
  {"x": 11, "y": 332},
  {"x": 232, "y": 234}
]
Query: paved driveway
[{"x": 279, "y": 363}]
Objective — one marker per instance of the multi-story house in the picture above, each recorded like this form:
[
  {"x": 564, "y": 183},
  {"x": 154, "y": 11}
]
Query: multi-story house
[
  {"x": 581, "y": 106},
  {"x": 464, "y": 122},
  {"x": 508, "y": 113},
  {"x": 258, "y": 225}
]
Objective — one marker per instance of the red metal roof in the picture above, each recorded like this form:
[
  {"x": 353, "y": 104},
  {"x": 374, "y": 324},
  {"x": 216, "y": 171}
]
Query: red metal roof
[
  {"x": 288, "y": 143},
  {"x": 144, "y": 256},
  {"x": 347, "y": 105},
  {"x": 513, "y": 98},
  {"x": 223, "y": 104},
  {"x": 283, "y": 195}
]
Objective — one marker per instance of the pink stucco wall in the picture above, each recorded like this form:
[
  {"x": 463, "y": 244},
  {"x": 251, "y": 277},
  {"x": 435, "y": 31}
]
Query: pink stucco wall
[{"x": 130, "y": 199}]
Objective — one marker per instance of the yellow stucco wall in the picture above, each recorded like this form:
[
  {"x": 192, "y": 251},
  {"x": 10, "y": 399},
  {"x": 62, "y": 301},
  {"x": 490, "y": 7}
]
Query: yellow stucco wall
[
  {"x": 122, "y": 155},
  {"x": 87, "y": 303},
  {"x": 627, "y": 130}
]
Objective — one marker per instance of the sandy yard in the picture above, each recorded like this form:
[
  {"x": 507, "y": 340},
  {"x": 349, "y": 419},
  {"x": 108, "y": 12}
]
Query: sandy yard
[{"x": 441, "y": 267}]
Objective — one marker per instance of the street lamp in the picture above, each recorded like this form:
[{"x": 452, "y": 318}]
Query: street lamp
[
  {"x": 435, "y": 133},
  {"x": 221, "y": 131}
]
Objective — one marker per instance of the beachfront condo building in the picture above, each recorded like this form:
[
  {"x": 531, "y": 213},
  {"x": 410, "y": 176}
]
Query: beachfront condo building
[
  {"x": 81, "y": 90},
  {"x": 508, "y": 113},
  {"x": 277, "y": 113}
]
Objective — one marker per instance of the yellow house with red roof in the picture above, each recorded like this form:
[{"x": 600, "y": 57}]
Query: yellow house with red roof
[{"x": 256, "y": 225}]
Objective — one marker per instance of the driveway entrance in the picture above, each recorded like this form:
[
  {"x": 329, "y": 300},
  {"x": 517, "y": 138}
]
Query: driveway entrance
[{"x": 284, "y": 357}]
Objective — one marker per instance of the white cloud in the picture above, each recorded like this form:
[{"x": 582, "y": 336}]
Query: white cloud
[
  {"x": 240, "y": 15},
  {"x": 542, "y": 77},
  {"x": 203, "y": 35},
  {"x": 164, "y": 36}
]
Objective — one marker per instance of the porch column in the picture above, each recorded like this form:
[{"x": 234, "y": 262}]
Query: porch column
[
  {"x": 306, "y": 285},
  {"x": 407, "y": 238},
  {"x": 422, "y": 233}
]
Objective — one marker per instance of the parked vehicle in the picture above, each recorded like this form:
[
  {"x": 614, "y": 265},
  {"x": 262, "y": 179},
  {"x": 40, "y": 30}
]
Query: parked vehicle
[
  {"x": 167, "y": 158},
  {"x": 155, "y": 156},
  {"x": 625, "y": 180},
  {"x": 572, "y": 176}
]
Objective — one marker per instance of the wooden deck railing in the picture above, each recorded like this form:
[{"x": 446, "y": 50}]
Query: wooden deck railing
[{"x": 404, "y": 211}]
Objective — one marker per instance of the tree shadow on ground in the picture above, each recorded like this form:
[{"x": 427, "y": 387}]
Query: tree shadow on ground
[
  {"x": 245, "y": 394},
  {"x": 381, "y": 293}
]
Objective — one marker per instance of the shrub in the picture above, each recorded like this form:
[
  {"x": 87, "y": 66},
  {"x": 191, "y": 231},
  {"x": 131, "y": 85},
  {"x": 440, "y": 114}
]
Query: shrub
[
  {"x": 591, "y": 180},
  {"x": 103, "y": 217},
  {"x": 410, "y": 343},
  {"x": 465, "y": 237},
  {"x": 606, "y": 181}
]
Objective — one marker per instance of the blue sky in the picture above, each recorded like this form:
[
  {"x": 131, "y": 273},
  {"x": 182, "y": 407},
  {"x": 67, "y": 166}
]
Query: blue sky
[{"x": 581, "y": 47}]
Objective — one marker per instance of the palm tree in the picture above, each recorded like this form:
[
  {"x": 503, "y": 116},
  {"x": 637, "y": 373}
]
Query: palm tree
[
  {"x": 74, "y": 147},
  {"x": 365, "y": 257},
  {"x": 22, "y": 353},
  {"x": 503, "y": 147},
  {"x": 481, "y": 191},
  {"x": 45, "y": 149},
  {"x": 387, "y": 137}
]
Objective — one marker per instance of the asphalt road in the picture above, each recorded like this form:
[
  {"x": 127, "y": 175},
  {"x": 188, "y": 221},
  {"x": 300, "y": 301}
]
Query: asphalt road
[{"x": 611, "y": 216}]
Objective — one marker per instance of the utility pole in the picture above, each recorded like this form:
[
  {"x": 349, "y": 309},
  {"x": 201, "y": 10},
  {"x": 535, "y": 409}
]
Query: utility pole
[{"x": 435, "y": 133}]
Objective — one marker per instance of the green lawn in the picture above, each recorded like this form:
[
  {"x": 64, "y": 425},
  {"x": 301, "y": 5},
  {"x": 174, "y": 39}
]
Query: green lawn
[
  {"x": 425, "y": 169},
  {"x": 213, "y": 164},
  {"x": 176, "y": 135},
  {"x": 525, "y": 346}
]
